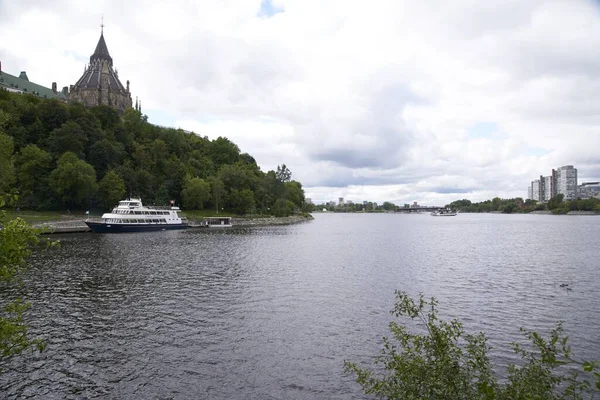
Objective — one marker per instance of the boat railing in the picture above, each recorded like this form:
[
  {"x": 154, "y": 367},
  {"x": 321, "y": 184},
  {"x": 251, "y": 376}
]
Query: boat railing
[{"x": 170, "y": 208}]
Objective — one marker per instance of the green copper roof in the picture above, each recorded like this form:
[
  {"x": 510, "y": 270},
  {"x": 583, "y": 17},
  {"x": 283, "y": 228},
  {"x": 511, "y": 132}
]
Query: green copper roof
[{"x": 14, "y": 83}]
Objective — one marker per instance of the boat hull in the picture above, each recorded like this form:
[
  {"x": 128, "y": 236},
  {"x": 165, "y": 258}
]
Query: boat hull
[{"x": 102, "y": 227}]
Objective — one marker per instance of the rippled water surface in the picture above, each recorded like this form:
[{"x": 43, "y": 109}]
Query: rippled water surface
[{"x": 272, "y": 313}]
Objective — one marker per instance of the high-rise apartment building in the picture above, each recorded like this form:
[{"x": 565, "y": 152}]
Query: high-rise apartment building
[
  {"x": 549, "y": 190},
  {"x": 566, "y": 182},
  {"x": 536, "y": 190},
  {"x": 562, "y": 181},
  {"x": 589, "y": 190}
]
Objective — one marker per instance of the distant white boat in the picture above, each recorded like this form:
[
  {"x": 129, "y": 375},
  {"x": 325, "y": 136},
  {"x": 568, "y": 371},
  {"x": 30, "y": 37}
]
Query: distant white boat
[
  {"x": 218, "y": 222},
  {"x": 444, "y": 213}
]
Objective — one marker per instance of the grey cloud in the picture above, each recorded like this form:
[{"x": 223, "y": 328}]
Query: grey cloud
[
  {"x": 389, "y": 139},
  {"x": 349, "y": 158},
  {"x": 450, "y": 190}
]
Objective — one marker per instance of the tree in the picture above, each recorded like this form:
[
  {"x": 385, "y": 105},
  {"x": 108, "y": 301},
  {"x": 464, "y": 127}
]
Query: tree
[
  {"x": 153, "y": 161},
  {"x": 283, "y": 174},
  {"x": 272, "y": 187},
  {"x": 224, "y": 151},
  {"x": 556, "y": 201},
  {"x": 73, "y": 180},
  {"x": 33, "y": 169},
  {"x": 241, "y": 201},
  {"x": 105, "y": 154},
  {"x": 283, "y": 208},
  {"x": 7, "y": 172},
  {"x": 108, "y": 116},
  {"x": 52, "y": 114},
  {"x": 446, "y": 363},
  {"x": 217, "y": 189},
  {"x": 508, "y": 208},
  {"x": 111, "y": 189},
  {"x": 33, "y": 164},
  {"x": 234, "y": 177},
  {"x": 294, "y": 193},
  {"x": 196, "y": 192},
  {"x": 496, "y": 202},
  {"x": 16, "y": 241},
  {"x": 69, "y": 137},
  {"x": 388, "y": 206}
]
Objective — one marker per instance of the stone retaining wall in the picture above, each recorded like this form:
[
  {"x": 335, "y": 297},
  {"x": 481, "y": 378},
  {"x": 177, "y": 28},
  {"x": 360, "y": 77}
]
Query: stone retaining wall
[{"x": 294, "y": 219}]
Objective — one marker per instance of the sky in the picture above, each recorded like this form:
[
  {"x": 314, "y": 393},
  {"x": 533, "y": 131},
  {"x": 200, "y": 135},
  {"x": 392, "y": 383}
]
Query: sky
[{"x": 401, "y": 101}]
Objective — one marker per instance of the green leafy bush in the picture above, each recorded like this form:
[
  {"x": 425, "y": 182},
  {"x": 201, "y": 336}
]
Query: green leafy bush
[
  {"x": 16, "y": 241},
  {"x": 444, "y": 362}
]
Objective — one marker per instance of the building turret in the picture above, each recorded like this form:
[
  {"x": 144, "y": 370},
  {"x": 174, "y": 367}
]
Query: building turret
[{"x": 100, "y": 84}]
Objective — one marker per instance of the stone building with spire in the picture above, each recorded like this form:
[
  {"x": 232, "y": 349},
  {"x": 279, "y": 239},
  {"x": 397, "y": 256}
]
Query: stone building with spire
[{"x": 100, "y": 84}]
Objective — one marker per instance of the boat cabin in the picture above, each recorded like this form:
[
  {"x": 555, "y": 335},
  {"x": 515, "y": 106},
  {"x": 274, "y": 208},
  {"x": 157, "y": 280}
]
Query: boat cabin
[{"x": 218, "y": 222}]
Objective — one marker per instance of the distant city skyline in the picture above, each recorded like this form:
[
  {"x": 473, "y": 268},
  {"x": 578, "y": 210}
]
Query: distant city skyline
[
  {"x": 406, "y": 101},
  {"x": 562, "y": 180}
]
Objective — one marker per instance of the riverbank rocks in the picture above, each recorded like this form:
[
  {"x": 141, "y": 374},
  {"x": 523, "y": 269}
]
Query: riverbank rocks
[{"x": 268, "y": 221}]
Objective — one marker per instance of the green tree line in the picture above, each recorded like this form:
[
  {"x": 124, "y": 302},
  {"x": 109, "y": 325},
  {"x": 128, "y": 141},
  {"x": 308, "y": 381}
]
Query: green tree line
[
  {"x": 64, "y": 156},
  {"x": 350, "y": 207},
  {"x": 517, "y": 205}
]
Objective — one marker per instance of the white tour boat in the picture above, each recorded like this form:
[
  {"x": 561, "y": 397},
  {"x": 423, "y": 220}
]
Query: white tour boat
[
  {"x": 132, "y": 216},
  {"x": 444, "y": 213}
]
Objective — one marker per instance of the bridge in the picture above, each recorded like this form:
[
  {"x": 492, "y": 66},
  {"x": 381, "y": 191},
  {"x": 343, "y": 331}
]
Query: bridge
[{"x": 408, "y": 210}]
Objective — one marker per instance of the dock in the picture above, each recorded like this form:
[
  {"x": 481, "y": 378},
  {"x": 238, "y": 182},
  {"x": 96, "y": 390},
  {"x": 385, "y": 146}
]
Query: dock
[{"x": 70, "y": 226}]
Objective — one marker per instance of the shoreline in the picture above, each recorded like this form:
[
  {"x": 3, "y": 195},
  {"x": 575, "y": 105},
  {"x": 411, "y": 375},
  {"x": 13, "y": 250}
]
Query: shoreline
[
  {"x": 271, "y": 221},
  {"x": 79, "y": 226},
  {"x": 537, "y": 212}
]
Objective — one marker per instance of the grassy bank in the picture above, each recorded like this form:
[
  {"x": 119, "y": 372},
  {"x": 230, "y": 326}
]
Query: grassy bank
[{"x": 34, "y": 217}]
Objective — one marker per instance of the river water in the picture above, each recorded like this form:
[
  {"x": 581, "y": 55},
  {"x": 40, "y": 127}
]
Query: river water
[{"x": 272, "y": 313}]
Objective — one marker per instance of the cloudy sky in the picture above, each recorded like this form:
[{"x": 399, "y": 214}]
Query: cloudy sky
[{"x": 427, "y": 101}]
